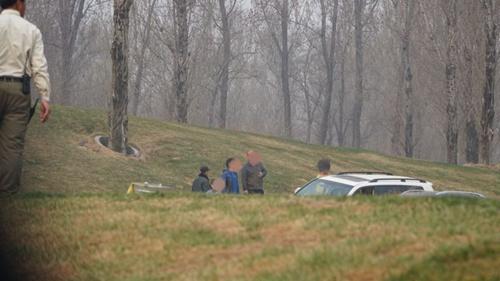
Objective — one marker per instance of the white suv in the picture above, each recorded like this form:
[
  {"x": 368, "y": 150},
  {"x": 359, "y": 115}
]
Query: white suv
[{"x": 362, "y": 183}]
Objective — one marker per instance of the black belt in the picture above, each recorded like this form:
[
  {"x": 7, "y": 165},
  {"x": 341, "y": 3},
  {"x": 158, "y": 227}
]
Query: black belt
[{"x": 11, "y": 79}]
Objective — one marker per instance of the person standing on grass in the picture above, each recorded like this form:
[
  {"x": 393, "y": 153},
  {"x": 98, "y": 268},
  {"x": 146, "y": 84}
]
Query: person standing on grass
[
  {"x": 324, "y": 166},
  {"x": 230, "y": 176},
  {"x": 253, "y": 174},
  {"x": 202, "y": 183},
  {"x": 21, "y": 58}
]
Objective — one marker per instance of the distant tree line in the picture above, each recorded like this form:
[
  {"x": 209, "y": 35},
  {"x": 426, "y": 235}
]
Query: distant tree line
[{"x": 411, "y": 78}]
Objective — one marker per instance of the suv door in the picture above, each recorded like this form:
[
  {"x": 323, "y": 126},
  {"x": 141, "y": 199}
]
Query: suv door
[
  {"x": 393, "y": 189},
  {"x": 378, "y": 190}
]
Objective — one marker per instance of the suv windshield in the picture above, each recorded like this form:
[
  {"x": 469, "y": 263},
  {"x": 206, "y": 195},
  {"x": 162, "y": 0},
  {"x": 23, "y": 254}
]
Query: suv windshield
[{"x": 325, "y": 188}]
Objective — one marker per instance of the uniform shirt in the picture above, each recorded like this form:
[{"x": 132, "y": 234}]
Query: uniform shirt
[{"x": 18, "y": 38}]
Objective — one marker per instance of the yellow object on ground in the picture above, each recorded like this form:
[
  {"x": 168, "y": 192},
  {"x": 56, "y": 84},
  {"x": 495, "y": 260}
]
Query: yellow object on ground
[{"x": 131, "y": 188}]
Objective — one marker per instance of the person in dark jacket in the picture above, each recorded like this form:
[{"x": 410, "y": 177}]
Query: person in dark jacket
[
  {"x": 230, "y": 176},
  {"x": 202, "y": 182},
  {"x": 324, "y": 166},
  {"x": 253, "y": 174}
]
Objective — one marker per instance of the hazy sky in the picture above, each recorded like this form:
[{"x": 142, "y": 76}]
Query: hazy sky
[{"x": 247, "y": 3}]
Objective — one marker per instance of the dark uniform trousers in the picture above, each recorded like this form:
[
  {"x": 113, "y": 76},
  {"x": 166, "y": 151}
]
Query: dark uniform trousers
[{"x": 14, "y": 118}]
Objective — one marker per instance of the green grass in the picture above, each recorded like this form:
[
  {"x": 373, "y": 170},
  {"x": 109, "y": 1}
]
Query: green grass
[
  {"x": 55, "y": 161},
  {"x": 187, "y": 237},
  {"x": 73, "y": 220}
]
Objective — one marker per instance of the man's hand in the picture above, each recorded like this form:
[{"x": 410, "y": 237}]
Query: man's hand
[{"x": 44, "y": 111}]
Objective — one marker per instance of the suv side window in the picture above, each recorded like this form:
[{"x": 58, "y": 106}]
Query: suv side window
[
  {"x": 366, "y": 190},
  {"x": 393, "y": 189}
]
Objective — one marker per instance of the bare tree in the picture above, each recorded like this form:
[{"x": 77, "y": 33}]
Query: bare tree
[
  {"x": 181, "y": 59},
  {"x": 403, "y": 121},
  {"x": 472, "y": 136},
  {"x": 359, "y": 6},
  {"x": 360, "y": 20},
  {"x": 488, "y": 107},
  {"x": 328, "y": 50},
  {"x": 341, "y": 125},
  {"x": 307, "y": 86},
  {"x": 118, "y": 119},
  {"x": 450, "y": 7},
  {"x": 281, "y": 43},
  {"x": 70, "y": 16},
  {"x": 141, "y": 59},
  {"x": 293, "y": 66},
  {"x": 285, "y": 75},
  {"x": 226, "y": 38},
  {"x": 470, "y": 71}
]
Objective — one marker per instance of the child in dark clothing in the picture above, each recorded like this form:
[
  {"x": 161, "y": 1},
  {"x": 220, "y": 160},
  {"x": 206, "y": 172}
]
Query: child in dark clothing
[{"x": 202, "y": 182}]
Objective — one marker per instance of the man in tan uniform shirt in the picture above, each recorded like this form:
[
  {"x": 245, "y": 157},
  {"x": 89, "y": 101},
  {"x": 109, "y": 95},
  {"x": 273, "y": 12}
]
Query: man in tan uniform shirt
[{"x": 21, "y": 52}]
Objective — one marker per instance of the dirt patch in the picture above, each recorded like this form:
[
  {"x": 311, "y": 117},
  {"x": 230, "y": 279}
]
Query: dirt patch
[
  {"x": 290, "y": 234},
  {"x": 274, "y": 264},
  {"x": 417, "y": 249},
  {"x": 366, "y": 274},
  {"x": 199, "y": 257},
  {"x": 216, "y": 222}
]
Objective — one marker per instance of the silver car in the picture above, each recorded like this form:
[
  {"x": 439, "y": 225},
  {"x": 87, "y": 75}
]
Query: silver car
[{"x": 362, "y": 183}]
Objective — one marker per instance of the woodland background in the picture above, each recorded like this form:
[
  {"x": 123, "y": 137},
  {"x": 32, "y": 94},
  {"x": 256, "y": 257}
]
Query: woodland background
[{"x": 410, "y": 78}]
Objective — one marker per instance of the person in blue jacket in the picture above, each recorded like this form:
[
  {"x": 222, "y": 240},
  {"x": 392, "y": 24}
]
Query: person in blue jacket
[{"x": 230, "y": 176}]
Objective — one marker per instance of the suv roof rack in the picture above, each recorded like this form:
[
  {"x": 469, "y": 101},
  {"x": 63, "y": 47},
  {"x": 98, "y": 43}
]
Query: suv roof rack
[
  {"x": 365, "y": 173},
  {"x": 398, "y": 179}
]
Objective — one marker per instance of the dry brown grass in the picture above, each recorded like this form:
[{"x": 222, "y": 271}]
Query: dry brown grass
[{"x": 182, "y": 237}]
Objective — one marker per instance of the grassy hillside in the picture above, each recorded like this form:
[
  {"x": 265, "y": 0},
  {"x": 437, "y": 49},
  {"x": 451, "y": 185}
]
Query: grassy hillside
[
  {"x": 187, "y": 237},
  {"x": 74, "y": 222},
  {"x": 62, "y": 157}
]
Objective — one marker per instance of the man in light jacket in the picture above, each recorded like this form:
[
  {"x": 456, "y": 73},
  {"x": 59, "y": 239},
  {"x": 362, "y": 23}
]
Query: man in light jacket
[{"x": 22, "y": 59}]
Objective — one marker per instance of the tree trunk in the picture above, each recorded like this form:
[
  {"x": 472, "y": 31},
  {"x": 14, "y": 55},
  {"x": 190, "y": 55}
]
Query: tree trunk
[
  {"x": 340, "y": 127},
  {"x": 488, "y": 104},
  {"x": 359, "y": 6},
  {"x": 451, "y": 87},
  {"x": 329, "y": 59},
  {"x": 398, "y": 118},
  {"x": 402, "y": 139},
  {"x": 471, "y": 133},
  {"x": 66, "y": 75},
  {"x": 309, "y": 111},
  {"x": 213, "y": 101},
  {"x": 224, "y": 85},
  {"x": 408, "y": 77},
  {"x": 118, "y": 119},
  {"x": 141, "y": 60},
  {"x": 71, "y": 14},
  {"x": 472, "y": 145},
  {"x": 181, "y": 57},
  {"x": 285, "y": 82},
  {"x": 304, "y": 73}
]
